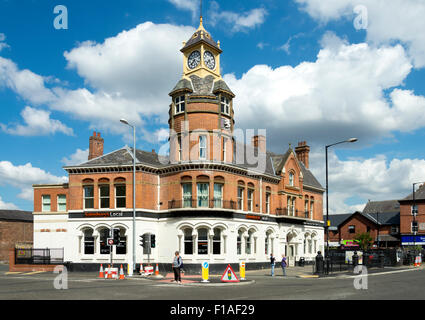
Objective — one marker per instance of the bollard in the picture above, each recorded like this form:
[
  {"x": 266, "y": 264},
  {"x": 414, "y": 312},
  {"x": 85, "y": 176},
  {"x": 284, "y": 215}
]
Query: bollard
[
  {"x": 319, "y": 263},
  {"x": 242, "y": 270},
  {"x": 205, "y": 271}
]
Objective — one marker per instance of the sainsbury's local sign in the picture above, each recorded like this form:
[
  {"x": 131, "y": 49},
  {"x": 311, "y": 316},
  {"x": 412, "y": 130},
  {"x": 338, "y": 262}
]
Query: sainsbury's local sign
[{"x": 103, "y": 214}]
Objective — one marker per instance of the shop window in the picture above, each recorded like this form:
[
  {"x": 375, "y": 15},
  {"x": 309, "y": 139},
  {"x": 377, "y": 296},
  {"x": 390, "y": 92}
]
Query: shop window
[
  {"x": 88, "y": 241},
  {"x": 217, "y": 241},
  {"x": 188, "y": 241},
  {"x": 121, "y": 247},
  {"x": 239, "y": 243},
  {"x": 202, "y": 241}
]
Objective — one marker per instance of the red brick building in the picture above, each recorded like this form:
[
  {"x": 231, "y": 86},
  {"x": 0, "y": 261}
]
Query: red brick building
[
  {"x": 16, "y": 229},
  {"x": 412, "y": 222},
  {"x": 381, "y": 219},
  {"x": 212, "y": 198}
]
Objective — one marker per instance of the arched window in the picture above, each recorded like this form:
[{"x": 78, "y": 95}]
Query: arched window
[
  {"x": 291, "y": 178},
  {"x": 203, "y": 241},
  {"x": 241, "y": 190},
  {"x": 88, "y": 241},
  {"x": 311, "y": 207},
  {"x": 104, "y": 235},
  {"x": 306, "y": 207},
  {"x": 217, "y": 241},
  {"x": 239, "y": 243},
  {"x": 188, "y": 241}
]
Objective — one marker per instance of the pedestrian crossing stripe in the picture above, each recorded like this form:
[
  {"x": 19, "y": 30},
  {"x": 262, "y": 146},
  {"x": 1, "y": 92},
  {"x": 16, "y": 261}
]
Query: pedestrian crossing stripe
[
  {"x": 11, "y": 273},
  {"x": 35, "y": 272}
]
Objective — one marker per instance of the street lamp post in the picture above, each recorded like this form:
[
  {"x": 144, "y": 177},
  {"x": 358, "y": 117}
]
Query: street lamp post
[
  {"x": 327, "y": 193},
  {"x": 134, "y": 193}
]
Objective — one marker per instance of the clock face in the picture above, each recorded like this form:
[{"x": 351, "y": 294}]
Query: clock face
[
  {"x": 209, "y": 60},
  {"x": 194, "y": 59}
]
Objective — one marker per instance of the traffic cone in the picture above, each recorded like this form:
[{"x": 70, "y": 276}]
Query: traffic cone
[
  {"x": 122, "y": 273},
  {"x": 109, "y": 272},
  {"x": 142, "y": 272},
  {"x": 157, "y": 270},
  {"x": 101, "y": 275}
]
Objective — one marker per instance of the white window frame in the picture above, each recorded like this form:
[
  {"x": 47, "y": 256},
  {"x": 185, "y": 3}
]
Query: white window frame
[
  {"x": 59, "y": 203},
  {"x": 250, "y": 200},
  {"x": 268, "y": 196},
  {"x": 184, "y": 199},
  {"x": 311, "y": 208},
  {"x": 116, "y": 196},
  {"x": 179, "y": 142},
  {"x": 218, "y": 200},
  {"x": 198, "y": 194},
  {"x": 202, "y": 138},
  {"x": 87, "y": 198},
  {"x": 44, "y": 203},
  {"x": 102, "y": 197},
  {"x": 225, "y": 105},
  {"x": 291, "y": 179},
  {"x": 180, "y": 104},
  {"x": 241, "y": 198}
]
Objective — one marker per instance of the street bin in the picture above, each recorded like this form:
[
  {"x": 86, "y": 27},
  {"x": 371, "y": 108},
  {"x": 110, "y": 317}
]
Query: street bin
[
  {"x": 301, "y": 262},
  {"x": 319, "y": 263}
]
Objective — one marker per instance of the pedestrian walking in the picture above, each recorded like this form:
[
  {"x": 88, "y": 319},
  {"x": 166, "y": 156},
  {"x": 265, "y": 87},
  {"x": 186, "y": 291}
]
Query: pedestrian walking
[
  {"x": 284, "y": 264},
  {"x": 177, "y": 264},
  {"x": 272, "y": 261}
]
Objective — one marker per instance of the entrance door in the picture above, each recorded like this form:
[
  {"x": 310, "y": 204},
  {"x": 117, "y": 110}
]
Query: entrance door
[{"x": 291, "y": 255}]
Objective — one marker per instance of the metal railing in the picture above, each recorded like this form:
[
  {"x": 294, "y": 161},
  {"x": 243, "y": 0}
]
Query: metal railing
[
  {"x": 38, "y": 256},
  {"x": 202, "y": 203},
  {"x": 289, "y": 212}
]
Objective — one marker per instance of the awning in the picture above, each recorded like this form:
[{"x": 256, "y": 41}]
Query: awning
[{"x": 387, "y": 238}]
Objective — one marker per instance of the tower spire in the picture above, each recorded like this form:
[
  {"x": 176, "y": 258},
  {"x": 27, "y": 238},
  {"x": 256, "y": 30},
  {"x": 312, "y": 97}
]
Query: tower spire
[{"x": 200, "y": 14}]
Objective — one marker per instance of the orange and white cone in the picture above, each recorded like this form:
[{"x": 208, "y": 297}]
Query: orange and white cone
[
  {"x": 157, "y": 270},
  {"x": 122, "y": 273},
  {"x": 109, "y": 272},
  {"x": 142, "y": 272},
  {"x": 101, "y": 275}
]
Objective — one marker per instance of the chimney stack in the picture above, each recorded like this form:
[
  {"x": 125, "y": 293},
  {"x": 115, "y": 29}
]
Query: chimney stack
[
  {"x": 303, "y": 151},
  {"x": 95, "y": 146},
  {"x": 259, "y": 142}
]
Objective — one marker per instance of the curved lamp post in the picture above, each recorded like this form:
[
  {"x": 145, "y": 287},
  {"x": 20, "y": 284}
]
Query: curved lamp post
[
  {"x": 134, "y": 192},
  {"x": 327, "y": 192}
]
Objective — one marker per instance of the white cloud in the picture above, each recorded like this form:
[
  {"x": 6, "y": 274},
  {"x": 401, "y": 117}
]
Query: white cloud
[
  {"x": 342, "y": 91},
  {"x": 131, "y": 75},
  {"x": 8, "y": 206},
  {"x": 400, "y": 20},
  {"x": 374, "y": 179},
  {"x": 237, "y": 21},
  {"x": 37, "y": 122},
  {"x": 24, "y": 176},
  {"x": 79, "y": 157},
  {"x": 2, "y": 43},
  {"x": 189, "y": 5}
]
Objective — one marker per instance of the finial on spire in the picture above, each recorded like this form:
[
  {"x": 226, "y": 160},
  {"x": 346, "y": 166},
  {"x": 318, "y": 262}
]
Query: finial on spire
[{"x": 200, "y": 14}]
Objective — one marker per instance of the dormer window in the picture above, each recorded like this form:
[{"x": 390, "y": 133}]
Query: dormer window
[
  {"x": 225, "y": 105},
  {"x": 180, "y": 104}
]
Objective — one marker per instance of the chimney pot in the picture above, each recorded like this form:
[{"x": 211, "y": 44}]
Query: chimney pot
[
  {"x": 95, "y": 146},
  {"x": 303, "y": 151}
]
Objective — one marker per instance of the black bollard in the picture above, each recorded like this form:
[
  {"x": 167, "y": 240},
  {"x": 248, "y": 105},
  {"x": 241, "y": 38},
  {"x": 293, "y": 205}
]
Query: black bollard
[{"x": 319, "y": 263}]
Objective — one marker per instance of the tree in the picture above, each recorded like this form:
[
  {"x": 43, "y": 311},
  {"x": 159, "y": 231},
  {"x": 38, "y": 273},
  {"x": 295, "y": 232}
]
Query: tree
[{"x": 364, "y": 239}]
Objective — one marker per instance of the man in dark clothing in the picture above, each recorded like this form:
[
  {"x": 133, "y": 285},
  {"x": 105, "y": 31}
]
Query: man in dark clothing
[
  {"x": 272, "y": 260},
  {"x": 177, "y": 263}
]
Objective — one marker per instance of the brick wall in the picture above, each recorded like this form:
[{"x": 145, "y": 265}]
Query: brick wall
[
  {"x": 406, "y": 217},
  {"x": 12, "y": 233}
]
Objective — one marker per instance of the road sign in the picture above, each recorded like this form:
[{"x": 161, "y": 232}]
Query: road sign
[
  {"x": 205, "y": 271},
  {"x": 110, "y": 242},
  {"x": 229, "y": 275}
]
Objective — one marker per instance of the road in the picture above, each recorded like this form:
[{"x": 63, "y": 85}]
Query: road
[{"x": 402, "y": 284}]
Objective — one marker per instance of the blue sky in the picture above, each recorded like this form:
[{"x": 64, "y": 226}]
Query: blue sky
[{"x": 316, "y": 78}]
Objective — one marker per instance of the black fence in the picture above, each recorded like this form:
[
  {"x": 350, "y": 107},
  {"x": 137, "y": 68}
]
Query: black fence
[
  {"x": 38, "y": 256},
  {"x": 341, "y": 260}
]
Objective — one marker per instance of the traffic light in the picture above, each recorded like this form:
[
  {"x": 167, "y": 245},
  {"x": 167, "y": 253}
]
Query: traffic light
[
  {"x": 116, "y": 236},
  {"x": 142, "y": 241},
  {"x": 152, "y": 241}
]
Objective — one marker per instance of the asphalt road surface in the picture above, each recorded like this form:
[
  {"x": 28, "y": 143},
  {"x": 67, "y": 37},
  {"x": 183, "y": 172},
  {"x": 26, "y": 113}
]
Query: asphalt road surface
[{"x": 393, "y": 285}]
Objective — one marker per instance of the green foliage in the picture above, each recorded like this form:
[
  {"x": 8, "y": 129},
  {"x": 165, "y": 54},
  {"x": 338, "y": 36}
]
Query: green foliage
[{"x": 364, "y": 239}]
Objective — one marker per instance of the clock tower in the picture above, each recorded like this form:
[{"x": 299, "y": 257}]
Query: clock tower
[{"x": 201, "y": 114}]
